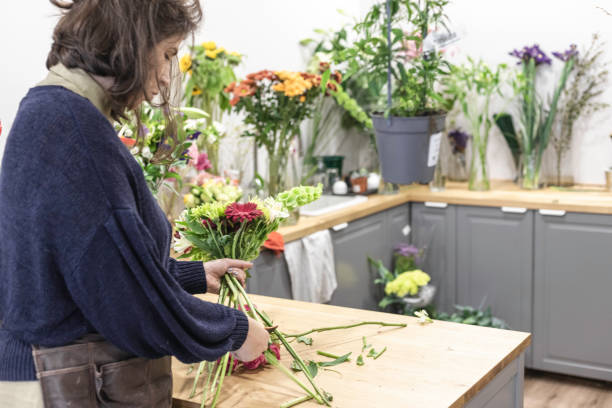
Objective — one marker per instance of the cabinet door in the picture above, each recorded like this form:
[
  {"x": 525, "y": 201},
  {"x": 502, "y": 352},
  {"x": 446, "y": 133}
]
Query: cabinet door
[
  {"x": 352, "y": 246},
  {"x": 434, "y": 229},
  {"x": 572, "y": 295},
  {"x": 495, "y": 261},
  {"x": 397, "y": 221},
  {"x": 270, "y": 276}
]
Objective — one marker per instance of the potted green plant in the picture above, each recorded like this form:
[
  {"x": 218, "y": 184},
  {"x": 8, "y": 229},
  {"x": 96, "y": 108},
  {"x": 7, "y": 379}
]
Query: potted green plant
[
  {"x": 472, "y": 86},
  {"x": 399, "y": 50}
]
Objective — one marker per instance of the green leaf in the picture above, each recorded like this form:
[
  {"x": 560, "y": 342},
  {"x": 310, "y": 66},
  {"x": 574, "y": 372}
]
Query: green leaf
[
  {"x": 335, "y": 362},
  {"x": 360, "y": 360},
  {"x": 372, "y": 352},
  {"x": 305, "y": 340},
  {"x": 313, "y": 369}
]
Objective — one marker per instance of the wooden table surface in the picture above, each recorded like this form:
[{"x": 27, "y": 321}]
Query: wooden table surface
[
  {"x": 584, "y": 199},
  {"x": 441, "y": 364}
]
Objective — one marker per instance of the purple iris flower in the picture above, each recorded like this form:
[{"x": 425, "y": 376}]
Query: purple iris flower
[
  {"x": 458, "y": 140},
  {"x": 406, "y": 249},
  {"x": 568, "y": 54},
  {"x": 144, "y": 129},
  {"x": 194, "y": 136},
  {"x": 534, "y": 52}
]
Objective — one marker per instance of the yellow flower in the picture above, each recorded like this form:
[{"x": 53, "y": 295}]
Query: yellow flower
[
  {"x": 407, "y": 283},
  {"x": 219, "y": 50},
  {"x": 302, "y": 98},
  {"x": 235, "y": 54},
  {"x": 185, "y": 63},
  {"x": 210, "y": 54},
  {"x": 196, "y": 91},
  {"x": 209, "y": 45}
]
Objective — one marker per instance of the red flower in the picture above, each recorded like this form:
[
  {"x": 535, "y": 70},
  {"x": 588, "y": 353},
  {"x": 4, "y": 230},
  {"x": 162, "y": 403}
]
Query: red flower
[
  {"x": 258, "y": 362},
  {"x": 127, "y": 141},
  {"x": 261, "y": 360},
  {"x": 208, "y": 223},
  {"x": 237, "y": 212}
]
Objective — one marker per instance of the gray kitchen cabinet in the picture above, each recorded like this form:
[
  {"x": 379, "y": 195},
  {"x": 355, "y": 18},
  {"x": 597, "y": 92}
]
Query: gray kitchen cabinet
[
  {"x": 270, "y": 276},
  {"x": 495, "y": 262},
  {"x": 353, "y": 243},
  {"x": 433, "y": 227},
  {"x": 572, "y": 331}
]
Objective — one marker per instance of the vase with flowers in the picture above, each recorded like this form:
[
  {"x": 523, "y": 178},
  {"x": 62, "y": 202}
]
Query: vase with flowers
[
  {"x": 208, "y": 69},
  {"x": 535, "y": 117},
  {"x": 274, "y": 105}
]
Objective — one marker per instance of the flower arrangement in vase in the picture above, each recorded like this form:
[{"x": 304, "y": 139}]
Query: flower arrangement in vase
[
  {"x": 535, "y": 117},
  {"x": 274, "y": 105},
  {"x": 208, "y": 70},
  {"x": 472, "y": 86}
]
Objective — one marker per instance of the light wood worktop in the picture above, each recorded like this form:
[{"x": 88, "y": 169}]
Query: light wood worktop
[
  {"x": 435, "y": 365},
  {"x": 586, "y": 199}
]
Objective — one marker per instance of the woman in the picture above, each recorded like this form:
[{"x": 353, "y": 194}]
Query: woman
[{"x": 90, "y": 302}]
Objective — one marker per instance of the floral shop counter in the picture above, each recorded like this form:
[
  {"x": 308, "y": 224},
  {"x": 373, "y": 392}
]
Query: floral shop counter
[
  {"x": 581, "y": 199},
  {"x": 437, "y": 364}
]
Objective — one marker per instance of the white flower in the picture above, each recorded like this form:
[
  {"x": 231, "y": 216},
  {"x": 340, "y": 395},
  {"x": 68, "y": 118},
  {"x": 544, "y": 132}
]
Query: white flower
[
  {"x": 219, "y": 128},
  {"x": 190, "y": 124},
  {"x": 277, "y": 210},
  {"x": 146, "y": 153},
  {"x": 126, "y": 131},
  {"x": 423, "y": 316},
  {"x": 134, "y": 151},
  {"x": 181, "y": 244}
]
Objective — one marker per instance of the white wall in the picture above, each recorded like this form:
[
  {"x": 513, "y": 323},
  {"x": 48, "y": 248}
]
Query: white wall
[{"x": 268, "y": 31}]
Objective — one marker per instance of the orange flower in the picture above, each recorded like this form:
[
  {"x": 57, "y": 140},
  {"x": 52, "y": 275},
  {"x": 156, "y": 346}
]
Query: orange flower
[
  {"x": 196, "y": 91},
  {"x": 302, "y": 98}
]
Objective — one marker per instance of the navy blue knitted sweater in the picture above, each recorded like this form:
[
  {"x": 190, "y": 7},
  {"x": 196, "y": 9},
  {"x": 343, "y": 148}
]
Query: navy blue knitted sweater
[{"x": 84, "y": 247}]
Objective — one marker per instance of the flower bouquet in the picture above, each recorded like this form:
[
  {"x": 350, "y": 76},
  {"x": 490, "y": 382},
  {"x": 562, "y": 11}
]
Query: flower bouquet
[{"x": 216, "y": 230}]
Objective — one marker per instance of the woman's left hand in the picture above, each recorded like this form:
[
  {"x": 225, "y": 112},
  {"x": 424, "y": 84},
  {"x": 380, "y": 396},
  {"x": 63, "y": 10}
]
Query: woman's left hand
[{"x": 216, "y": 269}]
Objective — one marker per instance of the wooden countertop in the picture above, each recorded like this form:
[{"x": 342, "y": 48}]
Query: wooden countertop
[
  {"x": 583, "y": 199},
  {"x": 435, "y": 365}
]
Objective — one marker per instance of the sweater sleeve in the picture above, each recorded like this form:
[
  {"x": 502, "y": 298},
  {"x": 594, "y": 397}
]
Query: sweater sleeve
[
  {"x": 190, "y": 275},
  {"x": 122, "y": 288}
]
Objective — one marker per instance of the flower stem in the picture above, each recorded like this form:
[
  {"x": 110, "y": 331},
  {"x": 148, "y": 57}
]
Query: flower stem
[
  {"x": 322, "y": 329},
  {"x": 296, "y": 401},
  {"x": 205, "y": 391},
  {"x": 380, "y": 353},
  {"x": 223, "y": 366},
  {"x": 195, "y": 381},
  {"x": 326, "y": 354},
  {"x": 320, "y": 397},
  {"x": 271, "y": 358}
]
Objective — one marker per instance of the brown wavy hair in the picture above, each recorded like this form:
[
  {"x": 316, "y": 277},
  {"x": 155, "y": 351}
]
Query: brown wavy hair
[{"x": 116, "y": 38}]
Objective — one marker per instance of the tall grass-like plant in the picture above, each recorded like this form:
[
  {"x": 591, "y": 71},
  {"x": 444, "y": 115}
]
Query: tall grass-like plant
[
  {"x": 578, "y": 100},
  {"x": 472, "y": 86},
  {"x": 535, "y": 116}
]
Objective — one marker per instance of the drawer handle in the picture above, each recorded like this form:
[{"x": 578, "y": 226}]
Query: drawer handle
[
  {"x": 340, "y": 227},
  {"x": 435, "y": 204},
  {"x": 553, "y": 213},
  {"x": 514, "y": 210}
]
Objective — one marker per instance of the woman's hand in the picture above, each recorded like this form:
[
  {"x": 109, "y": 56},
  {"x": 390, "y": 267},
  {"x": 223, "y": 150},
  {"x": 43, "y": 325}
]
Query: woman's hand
[
  {"x": 216, "y": 269},
  {"x": 256, "y": 342}
]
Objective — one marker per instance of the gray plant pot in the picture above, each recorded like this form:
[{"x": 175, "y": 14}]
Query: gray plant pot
[{"x": 408, "y": 148}]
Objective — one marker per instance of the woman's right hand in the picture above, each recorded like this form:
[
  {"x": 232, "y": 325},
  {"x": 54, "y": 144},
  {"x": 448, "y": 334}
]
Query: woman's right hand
[{"x": 255, "y": 344}]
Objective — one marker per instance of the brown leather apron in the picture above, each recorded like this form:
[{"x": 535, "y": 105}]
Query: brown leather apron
[{"x": 92, "y": 373}]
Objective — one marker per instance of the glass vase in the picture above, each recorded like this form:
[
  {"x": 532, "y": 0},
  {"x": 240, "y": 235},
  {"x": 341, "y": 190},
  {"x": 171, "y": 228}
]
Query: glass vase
[
  {"x": 457, "y": 167},
  {"x": 479, "y": 175},
  {"x": 530, "y": 172}
]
